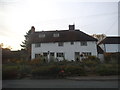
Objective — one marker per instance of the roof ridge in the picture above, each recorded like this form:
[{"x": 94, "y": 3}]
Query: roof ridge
[{"x": 56, "y": 30}]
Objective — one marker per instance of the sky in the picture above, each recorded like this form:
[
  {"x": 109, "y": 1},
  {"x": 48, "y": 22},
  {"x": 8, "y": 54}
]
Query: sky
[{"x": 90, "y": 16}]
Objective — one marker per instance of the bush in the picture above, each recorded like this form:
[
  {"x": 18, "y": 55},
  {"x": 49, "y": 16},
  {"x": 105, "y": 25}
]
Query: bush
[
  {"x": 51, "y": 70},
  {"x": 74, "y": 70},
  {"x": 54, "y": 69},
  {"x": 63, "y": 62},
  {"x": 90, "y": 64},
  {"x": 107, "y": 69},
  {"x": 38, "y": 61},
  {"x": 112, "y": 58},
  {"x": 24, "y": 70},
  {"x": 9, "y": 72},
  {"x": 40, "y": 71}
]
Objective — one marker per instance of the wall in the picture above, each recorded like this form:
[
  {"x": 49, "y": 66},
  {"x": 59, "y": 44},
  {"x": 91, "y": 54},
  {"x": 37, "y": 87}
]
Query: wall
[
  {"x": 101, "y": 57},
  {"x": 111, "y": 48},
  {"x": 68, "y": 49}
]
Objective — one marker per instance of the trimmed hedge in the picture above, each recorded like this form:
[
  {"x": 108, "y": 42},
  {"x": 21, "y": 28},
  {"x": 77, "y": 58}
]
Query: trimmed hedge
[
  {"x": 74, "y": 70},
  {"x": 51, "y": 70},
  {"x": 54, "y": 70},
  {"x": 107, "y": 69},
  {"x": 9, "y": 72}
]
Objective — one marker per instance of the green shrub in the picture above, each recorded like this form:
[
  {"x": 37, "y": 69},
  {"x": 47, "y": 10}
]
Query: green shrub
[
  {"x": 64, "y": 62},
  {"x": 107, "y": 69},
  {"x": 38, "y": 61},
  {"x": 54, "y": 69},
  {"x": 24, "y": 70},
  {"x": 74, "y": 70},
  {"x": 9, "y": 72},
  {"x": 40, "y": 71},
  {"x": 51, "y": 70},
  {"x": 112, "y": 58}
]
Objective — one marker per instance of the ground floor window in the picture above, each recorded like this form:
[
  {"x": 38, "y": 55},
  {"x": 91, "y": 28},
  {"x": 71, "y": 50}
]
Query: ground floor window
[
  {"x": 45, "y": 54},
  {"x": 86, "y": 53},
  {"x": 37, "y": 55},
  {"x": 52, "y": 54},
  {"x": 60, "y": 54}
]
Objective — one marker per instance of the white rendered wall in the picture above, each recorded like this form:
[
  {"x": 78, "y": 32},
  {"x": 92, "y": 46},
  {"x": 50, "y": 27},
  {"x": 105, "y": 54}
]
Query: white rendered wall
[
  {"x": 111, "y": 48},
  {"x": 68, "y": 49}
]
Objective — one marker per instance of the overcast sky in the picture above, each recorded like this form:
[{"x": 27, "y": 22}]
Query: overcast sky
[{"x": 90, "y": 16}]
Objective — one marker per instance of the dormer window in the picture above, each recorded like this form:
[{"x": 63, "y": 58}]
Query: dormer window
[
  {"x": 56, "y": 35},
  {"x": 41, "y": 35}
]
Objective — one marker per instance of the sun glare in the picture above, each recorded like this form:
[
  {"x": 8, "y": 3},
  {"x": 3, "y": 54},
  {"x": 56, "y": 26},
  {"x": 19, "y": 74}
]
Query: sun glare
[{"x": 17, "y": 16}]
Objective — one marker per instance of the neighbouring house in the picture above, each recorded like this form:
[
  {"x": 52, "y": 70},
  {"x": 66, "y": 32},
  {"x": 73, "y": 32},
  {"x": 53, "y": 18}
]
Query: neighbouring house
[
  {"x": 8, "y": 55},
  {"x": 110, "y": 44},
  {"x": 71, "y": 44}
]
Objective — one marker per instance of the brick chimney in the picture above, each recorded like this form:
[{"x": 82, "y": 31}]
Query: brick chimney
[
  {"x": 32, "y": 29},
  {"x": 71, "y": 27}
]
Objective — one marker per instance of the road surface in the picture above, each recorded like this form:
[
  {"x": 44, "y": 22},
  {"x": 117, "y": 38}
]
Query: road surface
[{"x": 58, "y": 83}]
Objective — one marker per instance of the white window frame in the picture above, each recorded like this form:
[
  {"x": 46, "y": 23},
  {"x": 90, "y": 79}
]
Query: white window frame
[
  {"x": 83, "y": 43},
  {"x": 72, "y": 43},
  {"x": 38, "y": 45},
  {"x": 60, "y": 54},
  {"x": 37, "y": 55},
  {"x": 87, "y": 53},
  {"x": 56, "y": 35},
  {"x": 41, "y": 35},
  {"x": 60, "y": 44}
]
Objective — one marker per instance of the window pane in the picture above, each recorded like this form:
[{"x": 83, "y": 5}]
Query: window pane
[
  {"x": 51, "y": 54},
  {"x": 56, "y": 35},
  {"x": 45, "y": 54},
  {"x": 37, "y": 55},
  {"x": 38, "y": 45},
  {"x": 86, "y": 53},
  {"x": 72, "y": 43},
  {"x": 83, "y": 43},
  {"x": 41, "y": 35},
  {"x": 60, "y": 54},
  {"x": 60, "y": 44}
]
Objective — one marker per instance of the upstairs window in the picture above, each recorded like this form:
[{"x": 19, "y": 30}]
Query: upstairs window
[
  {"x": 60, "y": 44},
  {"x": 56, "y": 35},
  {"x": 38, "y": 45},
  {"x": 72, "y": 43},
  {"x": 41, "y": 35},
  {"x": 84, "y": 43}
]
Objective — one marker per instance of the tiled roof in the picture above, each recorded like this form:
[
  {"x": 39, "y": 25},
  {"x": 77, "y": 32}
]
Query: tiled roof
[
  {"x": 111, "y": 40},
  {"x": 64, "y": 36}
]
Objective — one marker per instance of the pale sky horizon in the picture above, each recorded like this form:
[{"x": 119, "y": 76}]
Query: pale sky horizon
[{"x": 90, "y": 16}]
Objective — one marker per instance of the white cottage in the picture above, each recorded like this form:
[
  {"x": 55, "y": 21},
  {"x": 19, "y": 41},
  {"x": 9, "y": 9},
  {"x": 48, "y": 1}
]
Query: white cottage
[
  {"x": 69, "y": 44},
  {"x": 110, "y": 44}
]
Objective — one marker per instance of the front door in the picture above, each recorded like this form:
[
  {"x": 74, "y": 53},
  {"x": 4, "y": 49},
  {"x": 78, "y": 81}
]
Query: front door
[{"x": 52, "y": 56}]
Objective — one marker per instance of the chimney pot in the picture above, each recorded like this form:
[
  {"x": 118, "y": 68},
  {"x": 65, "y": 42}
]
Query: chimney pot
[
  {"x": 71, "y": 27},
  {"x": 32, "y": 29}
]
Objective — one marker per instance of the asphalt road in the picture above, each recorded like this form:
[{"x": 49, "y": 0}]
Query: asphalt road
[{"x": 58, "y": 83}]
